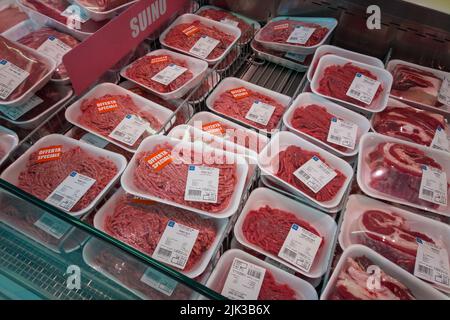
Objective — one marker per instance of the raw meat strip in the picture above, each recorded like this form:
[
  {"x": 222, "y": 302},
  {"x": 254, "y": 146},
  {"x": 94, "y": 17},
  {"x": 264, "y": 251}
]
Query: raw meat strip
[
  {"x": 268, "y": 228},
  {"x": 102, "y": 5},
  {"x": 145, "y": 68},
  {"x": 289, "y": 160},
  {"x": 279, "y": 31},
  {"x": 238, "y": 108},
  {"x": 36, "y": 38},
  {"x": 336, "y": 80},
  {"x": 105, "y": 122},
  {"x": 11, "y": 16},
  {"x": 315, "y": 121},
  {"x": 26, "y": 60},
  {"x": 41, "y": 178},
  {"x": 409, "y": 124},
  {"x": 169, "y": 183},
  {"x": 352, "y": 284},
  {"x": 178, "y": 39},
  {"x": 416, "y": 85},
  {"x": 390, "y": 235},
  {"x": 396, "y": 170},
  {"x": 273, "y": 290},
  {"x": 142, "y": 225}
]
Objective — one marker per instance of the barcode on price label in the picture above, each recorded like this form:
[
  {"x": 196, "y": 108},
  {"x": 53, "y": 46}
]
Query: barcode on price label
[
  {"x": 167, "y": 75},
  {"x": 130, "y": 129},
  {"x": 363, "y": 88},
  {"x": 202, "y": 184},
  {"x": 342, "y": 133},
  {"x": 260, "y": 112},
  {"x": 440, "y": 140},
  {"x": 300, "y": 35},
  {"x": 203, "y": 47},
  {"x": 433, "y": 186},
  {"x": 11, "y": 76},
  {"x": 315, "y": 174},
  {"x": 432, "y": 264}
]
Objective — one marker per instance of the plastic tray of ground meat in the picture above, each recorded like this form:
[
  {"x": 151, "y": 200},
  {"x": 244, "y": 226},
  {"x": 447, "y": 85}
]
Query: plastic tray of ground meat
[
  {"x": 103, "y": 124},
  {"x": 98, "y": 13},
  {"x": 310, "y": 116},
  {"x": 222, "y": 101},
  {"x": 13, "y": 173},
  {"x": 336, "y": 88},
  {"x": 187, "y": 19},
  {"x": 419, "y": 289},
  {"x": 329, "y": 49},
  {"x": 267, "y": 32},
  {"x": 390, "y": 231},
  {"x": 331, "y": 193},
  {"x": 108, "y": 209},
  {"x": 8, "y": 141},
  {"x": 232, "y": 185},
  {"x": 195, "y": 67},
  {"x": 236, "y": 133},
  {"x": 394, "y": 170},
  {"x": 311, "y": 218},
  {"x": 281, "y": 286}
]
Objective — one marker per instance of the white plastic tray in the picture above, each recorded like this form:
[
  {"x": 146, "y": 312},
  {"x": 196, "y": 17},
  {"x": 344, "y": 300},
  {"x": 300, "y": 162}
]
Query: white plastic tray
[
  {"x": 329, "y": 49},
  {"x": 377, "y": 105},
  {"x": 279, "y": 142},
  {"x": 305, "y": 99},
  {"x": 330, "y": 23},
  {"x": 419, "y": 289},
  {"x": 11, "y": 174},
  {"x": 369, "y": 141},
  {"x": 323, "y": 223},
  {"x": 108, "y": 210},
  {"x": 232, "y": 83},
  {"x": 188, "y": 18},
  {"x": 104, "y": 15},
  {"x": 196, "y": 66},
  {"x": 8, "y": 141},
  {"x": 303, "y": 290},
  {"x": 74, "y": 111},
  {"x": 127, "y": 179}
]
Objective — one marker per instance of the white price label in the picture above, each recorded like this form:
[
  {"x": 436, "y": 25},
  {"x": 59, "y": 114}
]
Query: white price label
[
  {"x": 230, "y": 22},
  {"x": 203, "y": 47},
  {"x": 54, "y": 48},
  {"x": 168, "y": 74},
  {"x": 300, "y": 35},
  {"x": 11, "y": 76},
  {"x": 363, "y": 88},
  {"x": 70, "y": 191},
  {"x": 440, "y": 140},
  {"x": 159, "y": 281},
  {"x": 52, "y": 225},
  {"x": 300, "y": 247},
  {"x": 94, "y": 140},
  {"x": 315, "y": 174},
  {"x": 260, "y": 112},
  {"x": 75, "y": 12},
  {"x": 433, "y": 187},
  {"x": 295, "y": 56},
  {"x": 175, "y": 245},
  {"x": 244, "y": 281},
  {"x": 202, "y": 184},
  {"x": 130, "y": 129},
  {"x": 16, "y": 112},
  {"x": 444, "y": 92},
  {"x": 342, "y": 133},
  {"x": 432, "y": 264}
]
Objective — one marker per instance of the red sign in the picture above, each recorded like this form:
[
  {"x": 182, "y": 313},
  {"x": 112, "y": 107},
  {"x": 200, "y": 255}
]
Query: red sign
[
  {"x": 159, "y": 159},
  {"x": 239, "y": 93},
  {"x": 49, "y": 154},
  {"x": 87, "y": 62}
]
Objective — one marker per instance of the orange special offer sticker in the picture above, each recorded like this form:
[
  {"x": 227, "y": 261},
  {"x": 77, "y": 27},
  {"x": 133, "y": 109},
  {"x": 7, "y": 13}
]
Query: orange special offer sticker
[
  {"x": 159, "y": 59},
  {"x": 214, "y": 127},
  {"x": 107, "y": 105},
  {"x": 49, "y": 154},
  {"x": 239, "y": 93},
  {"x": 191, "y": 30},
  {"x": 281, "y": 26},
  {"x": 159, "y": 159}
]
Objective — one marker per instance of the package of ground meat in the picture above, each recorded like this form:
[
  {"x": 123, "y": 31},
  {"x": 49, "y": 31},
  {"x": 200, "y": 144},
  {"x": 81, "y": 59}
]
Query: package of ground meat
[
  {"x": 269, "y": 282},
  {"x": 270, "y": 221},
  {"x": 142, "y": 223},
  {"x": 354, "y": 269},
  {"x": 118, "y": 115},
  {"x": 294, "y": 34},
  {"x": 10, "y": 16},
  {"x": 229, "y": 130},
  {"x": 404, "y": 172},
  {"x": 200, "y": 37},
  {"x": 392, "y": 232},
  {"x": 248, "y": 103},
  {"x": 53, "y": 44},
  {"x": 247, "y": 26},
  {"x": 305, "y": 169},
  {"x": 8, "y": 141},
  {"x": 23, "y": 71},
  {"x": 326, "y": 124},
  {"x": 191, "y": 176},
  {"x": 167, "y": 74},
  {"x": 357, "y": 85},
  {"x": 66, "y": 173},
  {"x": 402, "y": 121}
]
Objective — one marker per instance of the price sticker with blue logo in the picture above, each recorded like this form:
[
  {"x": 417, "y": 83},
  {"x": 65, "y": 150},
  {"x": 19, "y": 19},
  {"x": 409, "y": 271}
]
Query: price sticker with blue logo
[
  {"x": 202, "y": 184},
  {"x": 342, "y": 133},
  {"x": 315, "y": 174},
  {"x": 440, "y": 140},
  {"x": 363, "y": 88},
  {"x": 130, "y": 129},
  {"x": 11, "y": 76},
  {"x": 260, "y": 112},
  {"x": 204, "y": 46},
  {"x": 167, "y": 75},
  {"x": 433, "y": 186},
  {"x": 54, "y": 48}
]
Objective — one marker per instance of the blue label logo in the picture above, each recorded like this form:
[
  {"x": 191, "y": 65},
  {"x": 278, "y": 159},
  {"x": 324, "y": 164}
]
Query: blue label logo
[
  {"x": 424, "y": 167},
  {"x": 359, "y": 75},
  {"x": 128, "y": 116},
  {"x": 3, "y": 61},
  {"x": 204, "y": 37},
  {"x": 334, "y": 119},
  {"x": 418, "y": 240},
  {"x": 51, "y": 38},
  {"x": 315, "y": 158},
  {"x": 73, "y": 174},
  {"x": 295, "y": 226},
  {"x": 439, "y": 129},
  {"x": 171, "y": 223},
  {"x": 191, "y": 168},
  {"x": 171, "y": 64}
]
